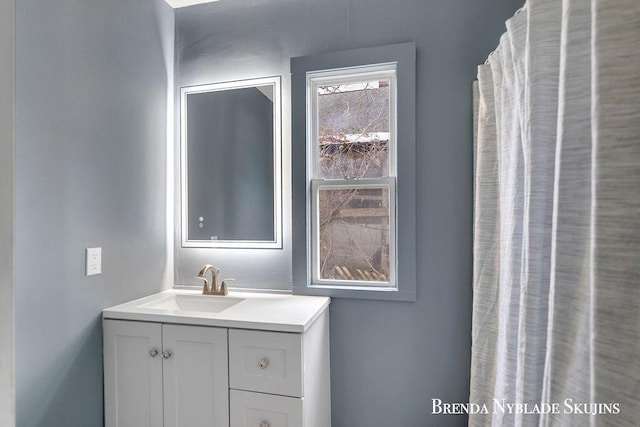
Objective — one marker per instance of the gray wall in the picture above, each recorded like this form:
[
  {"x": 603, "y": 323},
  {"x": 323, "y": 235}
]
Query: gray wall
[
  {"x": 91, "y": 118},
  {"x": 388, "y": 359},
  {"x": 7, "y": 404}
]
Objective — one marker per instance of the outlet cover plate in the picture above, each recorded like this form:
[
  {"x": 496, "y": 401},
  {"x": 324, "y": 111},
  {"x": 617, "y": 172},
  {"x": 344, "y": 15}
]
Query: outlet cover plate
[{"x": 94, "y": 261}]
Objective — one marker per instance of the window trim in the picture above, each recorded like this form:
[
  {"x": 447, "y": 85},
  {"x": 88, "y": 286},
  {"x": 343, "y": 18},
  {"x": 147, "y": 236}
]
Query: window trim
[{"x": 404, "y": 55}]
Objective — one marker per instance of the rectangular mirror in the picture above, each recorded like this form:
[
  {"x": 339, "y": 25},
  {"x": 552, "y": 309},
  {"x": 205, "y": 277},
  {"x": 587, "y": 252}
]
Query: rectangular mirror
[{"x": 230, "y": 155}]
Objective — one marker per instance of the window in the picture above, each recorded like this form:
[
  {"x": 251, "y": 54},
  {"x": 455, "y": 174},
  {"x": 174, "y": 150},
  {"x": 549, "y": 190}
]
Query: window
[
  {"x": 351, "y": 139},
  {"x": 353, "y": 173}
]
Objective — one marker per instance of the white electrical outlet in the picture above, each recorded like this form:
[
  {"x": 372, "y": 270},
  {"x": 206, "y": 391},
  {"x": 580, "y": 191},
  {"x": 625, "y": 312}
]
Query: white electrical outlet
[{"x": 94, "y": 261}]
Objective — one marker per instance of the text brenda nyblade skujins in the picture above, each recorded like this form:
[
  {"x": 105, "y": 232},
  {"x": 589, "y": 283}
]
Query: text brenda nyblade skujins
[{"x": 502, "y": 406}]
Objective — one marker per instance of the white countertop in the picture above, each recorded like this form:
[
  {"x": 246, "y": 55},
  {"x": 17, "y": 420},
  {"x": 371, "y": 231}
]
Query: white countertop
[{"x": 262, "y": 311}]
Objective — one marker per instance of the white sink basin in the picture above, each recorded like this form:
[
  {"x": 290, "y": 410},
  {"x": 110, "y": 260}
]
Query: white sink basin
[{"x": 192, "y": 303}]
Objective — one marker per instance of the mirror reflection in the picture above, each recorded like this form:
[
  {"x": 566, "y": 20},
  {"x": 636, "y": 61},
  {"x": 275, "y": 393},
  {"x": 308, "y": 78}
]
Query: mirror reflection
[{"x": 231, "y": 164}]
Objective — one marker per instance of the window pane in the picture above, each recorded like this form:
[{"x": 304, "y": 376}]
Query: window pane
[
  {"x": 354, "y": 130},
  {"x": 354, "y": 234}
]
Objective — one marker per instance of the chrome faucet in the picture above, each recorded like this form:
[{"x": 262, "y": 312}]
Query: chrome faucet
[{"x": 211, "y": 288}]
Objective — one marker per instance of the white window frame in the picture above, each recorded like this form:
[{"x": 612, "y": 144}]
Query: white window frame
[
  {"x": 318, "y": 185},
  {"x": 386, "y": 71}
]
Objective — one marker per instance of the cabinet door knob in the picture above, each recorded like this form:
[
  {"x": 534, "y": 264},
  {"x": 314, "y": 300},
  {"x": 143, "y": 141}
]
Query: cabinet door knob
[
  {"x": 166, "y": 354},
  {"x": 265, "y": 424},
  {"x": 263, "y": 365},
  {"x": 153, "y": 352}
]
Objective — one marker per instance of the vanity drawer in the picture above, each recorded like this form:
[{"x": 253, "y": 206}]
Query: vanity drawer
[
  {"x": 268, "y": 362},
  {"x": 250, "y": 409}
]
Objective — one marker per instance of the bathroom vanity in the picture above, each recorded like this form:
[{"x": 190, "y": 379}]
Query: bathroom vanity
[{"x": 179, "y": 358}]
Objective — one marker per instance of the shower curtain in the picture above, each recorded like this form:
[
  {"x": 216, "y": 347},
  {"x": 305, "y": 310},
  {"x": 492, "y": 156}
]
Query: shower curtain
[{"x": 556, "y": 305}]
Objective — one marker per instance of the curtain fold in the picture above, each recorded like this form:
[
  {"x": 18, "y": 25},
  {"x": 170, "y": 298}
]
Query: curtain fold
[{"x": 556, "y": 310}]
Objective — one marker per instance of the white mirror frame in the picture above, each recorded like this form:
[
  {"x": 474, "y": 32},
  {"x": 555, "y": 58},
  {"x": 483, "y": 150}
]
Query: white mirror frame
[{"x": 277, "y": 166}]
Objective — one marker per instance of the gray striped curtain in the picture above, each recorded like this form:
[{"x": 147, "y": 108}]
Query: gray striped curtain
[{"x": 556, "y": 306}]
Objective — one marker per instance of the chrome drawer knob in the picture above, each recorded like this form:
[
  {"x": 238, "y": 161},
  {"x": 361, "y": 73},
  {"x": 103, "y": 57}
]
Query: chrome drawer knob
[
  {"x": 153, "y": 352},
  {"x": 263, "y": 365},
  {"x": 265, "y": 424},
  {"x": 166, "y": 354}
]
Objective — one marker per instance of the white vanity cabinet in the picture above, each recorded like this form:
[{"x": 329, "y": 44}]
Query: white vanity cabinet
[
  {"x": 165, "y": 375},
  {"x": 262, "y": 363}
]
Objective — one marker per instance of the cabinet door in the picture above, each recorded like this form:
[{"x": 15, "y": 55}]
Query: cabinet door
[
  {"x": 196, "y": 382},
  {"x": 132, "y": 374}
]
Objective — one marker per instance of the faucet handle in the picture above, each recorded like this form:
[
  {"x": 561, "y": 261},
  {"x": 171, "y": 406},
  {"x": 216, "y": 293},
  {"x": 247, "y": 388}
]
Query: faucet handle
[
  {"x": 207, "y": 286},
  {"x": 223, "y": 286}
]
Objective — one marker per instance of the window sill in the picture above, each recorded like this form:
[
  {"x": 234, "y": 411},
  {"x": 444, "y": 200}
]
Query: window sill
[{"x": 386, "y": 294}]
